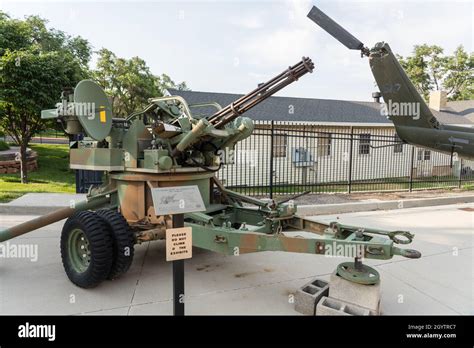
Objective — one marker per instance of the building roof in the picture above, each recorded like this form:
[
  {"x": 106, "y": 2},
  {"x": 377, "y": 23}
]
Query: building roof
[
  {"x": 461, "y": 107},
  {"x": 305, "y": 109}
]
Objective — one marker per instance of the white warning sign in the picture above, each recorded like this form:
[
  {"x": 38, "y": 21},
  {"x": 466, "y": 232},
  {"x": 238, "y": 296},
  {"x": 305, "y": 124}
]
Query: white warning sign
[{"x": 179, "y": 243}]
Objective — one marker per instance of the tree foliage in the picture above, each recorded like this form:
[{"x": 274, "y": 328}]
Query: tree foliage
[
  {"x": 35, "y": 64},
  {"x": 129, "y": 82},
  {"x": 429, "y": 69}
]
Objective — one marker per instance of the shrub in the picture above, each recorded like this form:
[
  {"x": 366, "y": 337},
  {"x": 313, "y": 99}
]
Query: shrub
[{"x": 3, "y": 146}]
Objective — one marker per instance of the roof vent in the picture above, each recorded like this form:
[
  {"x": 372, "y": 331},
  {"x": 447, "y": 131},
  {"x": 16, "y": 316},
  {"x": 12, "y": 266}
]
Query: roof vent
[{"x": 376, "y": 96}]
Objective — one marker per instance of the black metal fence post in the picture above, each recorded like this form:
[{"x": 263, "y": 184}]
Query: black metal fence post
[
  {"x": 271, "y": 158},
  {"x": 349, "y": 183},
  {"x": 460, "y": 173},
  {"x": 410, "y": 189}
]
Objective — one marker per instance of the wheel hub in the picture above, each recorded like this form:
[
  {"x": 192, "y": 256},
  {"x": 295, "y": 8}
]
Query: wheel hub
[{"x": 79, "y": 251}]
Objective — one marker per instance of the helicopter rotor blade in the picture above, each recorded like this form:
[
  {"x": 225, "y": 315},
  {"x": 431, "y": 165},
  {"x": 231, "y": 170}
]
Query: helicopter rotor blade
[{"x": 338, "y": 32}]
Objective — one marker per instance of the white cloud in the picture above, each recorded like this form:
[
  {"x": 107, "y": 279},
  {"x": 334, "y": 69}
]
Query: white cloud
[
  {"x": 298, "y": 9},
  {"x": 257, "y": 76},
  {"x": 250, "y": 21},
  {"x": 290, "y": 39},
  {"x": 278, "y": 48}
]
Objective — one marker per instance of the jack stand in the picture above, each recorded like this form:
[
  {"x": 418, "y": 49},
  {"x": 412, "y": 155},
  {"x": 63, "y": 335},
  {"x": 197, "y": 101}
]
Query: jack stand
[{"x": 357, "y": 272}]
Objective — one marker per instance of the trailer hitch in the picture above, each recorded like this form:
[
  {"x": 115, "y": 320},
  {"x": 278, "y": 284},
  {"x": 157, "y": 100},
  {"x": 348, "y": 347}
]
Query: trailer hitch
[{"x": 407, "y": 237}]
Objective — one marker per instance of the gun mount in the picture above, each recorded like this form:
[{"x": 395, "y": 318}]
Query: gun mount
[
  {"x": 164, "y": 145},
  {"x": 164, "y": 136}
]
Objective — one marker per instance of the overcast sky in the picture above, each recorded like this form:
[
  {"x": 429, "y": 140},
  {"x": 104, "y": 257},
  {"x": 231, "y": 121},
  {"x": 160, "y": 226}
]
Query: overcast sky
[{"x": 231, "y": 46}]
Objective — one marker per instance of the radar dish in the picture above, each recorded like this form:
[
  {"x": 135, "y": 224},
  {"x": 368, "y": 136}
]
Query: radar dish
[{"x": 92, "y": 108}]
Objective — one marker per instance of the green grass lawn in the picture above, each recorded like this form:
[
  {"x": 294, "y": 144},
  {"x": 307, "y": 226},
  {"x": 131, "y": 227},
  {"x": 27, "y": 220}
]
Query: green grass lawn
[
  {"x": 51, "y": 133},
  {"x": 53, "y": 174},
  {"x": 468, "y": 187}
]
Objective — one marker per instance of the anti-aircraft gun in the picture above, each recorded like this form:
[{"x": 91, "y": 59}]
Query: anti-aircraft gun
[{"x": 164, "y": 145}]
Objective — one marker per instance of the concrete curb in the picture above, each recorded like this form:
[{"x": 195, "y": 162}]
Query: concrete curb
[
  {"x": 303, "y": 210},
  {"x": 26, "y": 210},
  {"x": 326, "y": 209}
]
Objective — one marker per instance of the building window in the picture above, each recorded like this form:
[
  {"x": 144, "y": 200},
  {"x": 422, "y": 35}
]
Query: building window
[
  {"x": 364, "y": 144},
  {"x": 324, "y": 144},
  {"x": 302, "y": 156},
  {"x": 423, "y": 155},
  {"x": 280, "y": 142},
  {"x": 398, "y": 147}
]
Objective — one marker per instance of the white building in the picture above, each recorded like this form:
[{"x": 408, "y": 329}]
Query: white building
[{"x": 317, "y": 141}]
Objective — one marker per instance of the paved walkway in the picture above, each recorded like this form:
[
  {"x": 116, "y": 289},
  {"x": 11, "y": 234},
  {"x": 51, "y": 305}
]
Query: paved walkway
[
  {"x": 43, "y": 140},
  {"x": 441, "y": 282}
]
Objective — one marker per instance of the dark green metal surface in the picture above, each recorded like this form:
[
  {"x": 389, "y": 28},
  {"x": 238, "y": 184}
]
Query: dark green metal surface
[{"x": 78, "y": 250}]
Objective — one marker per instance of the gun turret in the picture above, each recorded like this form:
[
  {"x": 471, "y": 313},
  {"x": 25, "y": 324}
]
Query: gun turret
[
  {"x": 228, "y": 119},
  {"x": 165, "y": 135}
]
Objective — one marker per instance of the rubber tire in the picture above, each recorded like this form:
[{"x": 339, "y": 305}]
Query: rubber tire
[
  {"x": 123, "y": 239},
  {"x": 100, "y": 244}
]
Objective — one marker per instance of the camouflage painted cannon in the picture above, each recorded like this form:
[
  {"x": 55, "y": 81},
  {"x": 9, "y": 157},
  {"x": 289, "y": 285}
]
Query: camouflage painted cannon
[{"x": 164, "y": 145}]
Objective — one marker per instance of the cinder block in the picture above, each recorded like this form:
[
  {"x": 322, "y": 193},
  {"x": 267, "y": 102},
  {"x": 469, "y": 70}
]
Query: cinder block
[
  {"x": 332, "y": 306},
  {"x": 367, "y": 296},
  {"x": 309, "y": 294}
]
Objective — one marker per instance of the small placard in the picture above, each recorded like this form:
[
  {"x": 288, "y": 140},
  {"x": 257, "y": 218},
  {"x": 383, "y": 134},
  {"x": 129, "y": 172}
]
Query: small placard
[
  {"x": 177, "y": 200},
  {"x": 179, "y": 243}
]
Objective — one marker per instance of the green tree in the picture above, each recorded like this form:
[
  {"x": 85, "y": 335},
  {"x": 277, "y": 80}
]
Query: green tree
[
  {"x": 35, "y": 64},
  {"x": 129, "y": 82},
  {"x": 164, "y": 82},
  {"x": 459, "y": 77},
  {"x": 429, "y": 69}
]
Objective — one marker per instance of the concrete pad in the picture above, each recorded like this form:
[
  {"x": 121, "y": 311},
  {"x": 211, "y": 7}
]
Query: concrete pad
[
  {"x": 401, "y": 298},
  {"x": 434, "y": 232},
  {"x": 209, "y": 272},
  {"x": 51, "y": 231},
  {"x": 376, "y": 204},
  {"x": 259, "y": 283},
  {"x": 269, "y": 299},
  {"x": 113, "y": 311},
  {"x": 47, "y": 199},
  {"x": 40, "y": 203},
  {"x": 446, "y": 278},
  {"x": 43, "y": 288},
  {"x": 155, "y": 308}
]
